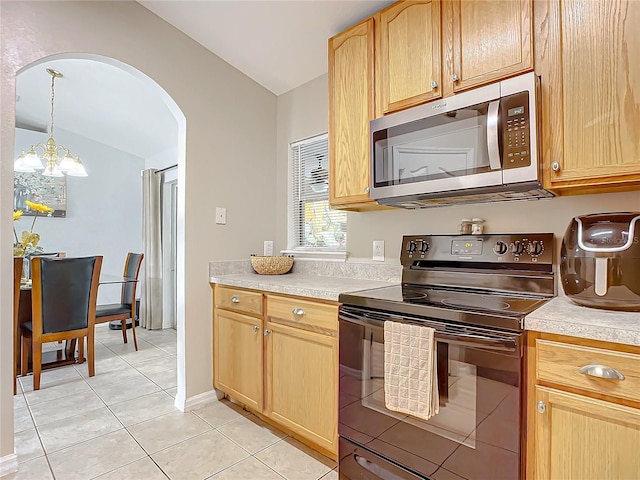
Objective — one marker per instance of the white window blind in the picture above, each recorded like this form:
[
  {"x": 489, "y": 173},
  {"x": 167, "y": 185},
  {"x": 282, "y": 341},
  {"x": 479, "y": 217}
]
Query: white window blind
[{"x": 315, "y": 226}]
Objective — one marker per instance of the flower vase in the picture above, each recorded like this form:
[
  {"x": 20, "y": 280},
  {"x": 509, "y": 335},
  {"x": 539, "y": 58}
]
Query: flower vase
[{"x": 26, "y": 268}]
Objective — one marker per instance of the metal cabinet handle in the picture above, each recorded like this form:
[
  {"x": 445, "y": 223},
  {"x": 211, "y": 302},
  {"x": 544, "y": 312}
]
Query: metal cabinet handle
[
  {"x": 235, "y": 300},
  {"x": 455, "y": 77},
  {"x": 297, "y": 311},
  {"x": 434, "y": 84},
  {"x": 541, "y": 406},
  {"x": 367, "y": 190},
  {"x": 555, "y": 166},
  {"x": 266, "y": 332},
  {"x": 256, "y": 328},
  {"x": 601, "y": 371}
]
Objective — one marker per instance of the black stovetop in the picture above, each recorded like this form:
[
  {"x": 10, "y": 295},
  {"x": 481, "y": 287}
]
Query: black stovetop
[{"x": 490, "y": 308}]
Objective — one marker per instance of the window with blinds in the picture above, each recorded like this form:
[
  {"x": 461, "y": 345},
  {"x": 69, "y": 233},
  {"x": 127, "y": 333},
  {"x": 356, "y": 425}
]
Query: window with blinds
[{"x": 314, "y": 224}]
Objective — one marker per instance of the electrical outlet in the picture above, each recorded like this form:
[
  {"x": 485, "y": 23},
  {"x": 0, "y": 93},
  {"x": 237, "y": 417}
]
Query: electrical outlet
[
  {"x": 268, "y": 248},
  {"x": 221, "y": 216},
  {"x": 378, "y": 250}
]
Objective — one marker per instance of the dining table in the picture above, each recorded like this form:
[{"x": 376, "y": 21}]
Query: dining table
[{"x": 58, "y": 357}]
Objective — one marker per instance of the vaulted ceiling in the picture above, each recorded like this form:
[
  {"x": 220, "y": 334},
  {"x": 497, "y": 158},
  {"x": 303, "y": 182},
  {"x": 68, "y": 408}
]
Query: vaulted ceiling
[{"x": 279, "y": 44}]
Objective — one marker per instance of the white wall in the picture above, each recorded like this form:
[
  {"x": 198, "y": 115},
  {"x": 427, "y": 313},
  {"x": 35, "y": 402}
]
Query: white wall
[
  {"x": 163, "y": 159},
  {"x": 304, "y": 112},
  {"x": 104, "y": 210},
  {"x": 230, "y": 154}
]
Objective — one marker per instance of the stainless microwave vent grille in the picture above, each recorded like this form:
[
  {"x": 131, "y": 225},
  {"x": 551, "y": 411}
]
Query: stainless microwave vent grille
[{"x": 434, "y": 201}]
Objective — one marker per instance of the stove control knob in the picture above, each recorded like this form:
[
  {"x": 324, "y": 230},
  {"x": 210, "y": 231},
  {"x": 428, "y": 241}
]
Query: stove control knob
[
  {"x": 411, "y": 246},
  {"x": 517, "y": 247},
  {"x": 501, "y": 248},
  {"x": 424, "y": 248},
  {"x": 535, "y": 248}
]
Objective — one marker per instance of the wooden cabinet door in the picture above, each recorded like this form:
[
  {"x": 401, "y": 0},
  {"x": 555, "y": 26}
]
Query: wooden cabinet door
[
  {"x": 577, "y": 437},
  {"x": 589, "y": 54},
  {"x": 485, "y": 41},
  {"x": 351, "y": 107},
  {"x": 408, "y": 59},
  {"x": 302, "y": 379},
  {"x": 237, "y": 356}
]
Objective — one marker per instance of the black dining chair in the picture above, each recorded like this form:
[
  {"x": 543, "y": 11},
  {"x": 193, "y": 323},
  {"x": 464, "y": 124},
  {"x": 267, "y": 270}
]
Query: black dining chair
[
  {"x": 64, "y": 292},
  {"x": 126, "y": 309}
]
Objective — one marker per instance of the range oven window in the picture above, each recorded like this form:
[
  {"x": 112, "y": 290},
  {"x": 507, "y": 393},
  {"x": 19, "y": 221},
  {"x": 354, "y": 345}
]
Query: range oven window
[{"x": 475, "y": 435}]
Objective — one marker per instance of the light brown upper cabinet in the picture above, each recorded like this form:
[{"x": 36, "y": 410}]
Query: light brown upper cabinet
[
  {"x": 485, "y": 41},
  {"x": 351, "y": 107},
  {"x": 587, "y": 53},
  {"x": 408, "y": 55}
]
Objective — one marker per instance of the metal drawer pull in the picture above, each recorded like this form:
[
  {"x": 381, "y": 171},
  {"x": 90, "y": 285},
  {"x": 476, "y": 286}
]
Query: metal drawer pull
[
  {"x": 601, "y": 371},
  {"x": 542, "y": 407},
  {"x": 235, "y": 300},
  {"x": 297, "y": 311},
  {"x": 256, "y": 328},
  {"x": 267, "y": 332}
]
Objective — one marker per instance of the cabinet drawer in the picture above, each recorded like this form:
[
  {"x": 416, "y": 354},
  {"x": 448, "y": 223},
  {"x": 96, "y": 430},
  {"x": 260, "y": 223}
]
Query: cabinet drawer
[
  {"x": 300, "y": 313},
  {"x": 238, "y": 300},
  {"x": 560, "y": 363}
]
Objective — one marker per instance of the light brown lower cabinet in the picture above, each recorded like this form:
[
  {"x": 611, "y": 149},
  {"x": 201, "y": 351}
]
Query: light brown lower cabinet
[
  {"x": 578, "y": 437},
  {"x": 582, "y": 426},
  {"x": 280, "y": 361},
  {"x": 238, "y": 357},
  {"x": 301, "y": 383}
]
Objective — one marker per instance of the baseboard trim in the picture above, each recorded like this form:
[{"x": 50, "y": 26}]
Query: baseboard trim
[
  {"x": 197, "y": 401},
  {"x": 8, "y": 464}
]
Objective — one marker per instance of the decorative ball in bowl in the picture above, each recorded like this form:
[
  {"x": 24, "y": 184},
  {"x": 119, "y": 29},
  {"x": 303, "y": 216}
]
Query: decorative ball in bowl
[{"x": 271, "y": 265}]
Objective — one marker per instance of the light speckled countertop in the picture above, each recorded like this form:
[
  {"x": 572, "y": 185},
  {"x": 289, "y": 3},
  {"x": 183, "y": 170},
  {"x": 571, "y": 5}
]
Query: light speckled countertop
[
  {"x": 326, "y": 288},
  {"x": 563, "y": 317},
  {"x": 316, "y": 280}
]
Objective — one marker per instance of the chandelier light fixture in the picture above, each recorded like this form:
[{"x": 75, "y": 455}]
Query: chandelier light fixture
[{"x": 55, "y": 160}]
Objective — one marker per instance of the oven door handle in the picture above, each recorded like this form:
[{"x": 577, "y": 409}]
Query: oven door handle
[{"x": 477, "y": 341}]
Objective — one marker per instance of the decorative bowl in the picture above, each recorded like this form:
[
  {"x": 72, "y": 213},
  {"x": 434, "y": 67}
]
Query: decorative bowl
[{"x": 271, "y": 265}]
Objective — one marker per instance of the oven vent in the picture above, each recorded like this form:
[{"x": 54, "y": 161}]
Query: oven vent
[{"x": 502, "y": 193}]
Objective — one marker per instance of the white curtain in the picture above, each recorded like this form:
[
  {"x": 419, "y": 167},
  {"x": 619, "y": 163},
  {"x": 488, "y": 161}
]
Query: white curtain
[{"x": 151, "y": 284}]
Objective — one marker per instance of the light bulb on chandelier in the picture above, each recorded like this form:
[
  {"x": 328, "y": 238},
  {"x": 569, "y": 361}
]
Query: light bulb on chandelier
[{"x": 54, "y": 165}]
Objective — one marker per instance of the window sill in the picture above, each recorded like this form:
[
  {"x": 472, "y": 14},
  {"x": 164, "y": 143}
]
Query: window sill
[{"x": 324, "y": 255}]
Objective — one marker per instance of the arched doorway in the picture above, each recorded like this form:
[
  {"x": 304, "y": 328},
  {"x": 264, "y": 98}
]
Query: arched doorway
[{"x": 105, "y": 87}]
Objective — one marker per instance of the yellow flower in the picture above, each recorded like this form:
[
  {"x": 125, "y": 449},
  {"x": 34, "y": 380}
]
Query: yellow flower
[
  {"x": 38, "y": 207},
  {"x": 17, "y": 214}
]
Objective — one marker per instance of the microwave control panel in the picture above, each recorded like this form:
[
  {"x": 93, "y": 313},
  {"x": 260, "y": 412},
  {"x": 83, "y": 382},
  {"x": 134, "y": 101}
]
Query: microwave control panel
[{"x": 516, "y": 128}]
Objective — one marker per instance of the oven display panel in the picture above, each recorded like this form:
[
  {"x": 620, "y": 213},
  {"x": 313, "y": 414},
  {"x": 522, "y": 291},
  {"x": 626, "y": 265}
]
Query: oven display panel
[{"x": 466, "y": 247}]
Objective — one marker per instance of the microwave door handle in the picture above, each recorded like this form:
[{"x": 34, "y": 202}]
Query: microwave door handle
[{"x": 493, "y": 145}]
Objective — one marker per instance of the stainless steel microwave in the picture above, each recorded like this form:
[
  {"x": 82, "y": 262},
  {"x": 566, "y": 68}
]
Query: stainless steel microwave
[{"x": 474, "y": 147}]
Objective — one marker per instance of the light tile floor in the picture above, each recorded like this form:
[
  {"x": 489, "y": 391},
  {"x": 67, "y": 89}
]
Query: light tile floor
[{"x": 122, "y": 424}]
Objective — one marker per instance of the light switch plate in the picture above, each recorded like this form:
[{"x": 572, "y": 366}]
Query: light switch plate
[
  {"x": 268, "y": 248},
  {"x": 221, "y": 216},
  {"x": 378, "y": 250}
]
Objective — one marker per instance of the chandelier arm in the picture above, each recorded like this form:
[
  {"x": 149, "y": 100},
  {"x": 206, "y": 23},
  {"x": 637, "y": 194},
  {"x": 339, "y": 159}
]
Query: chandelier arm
[{"x": 40, "y": 145}]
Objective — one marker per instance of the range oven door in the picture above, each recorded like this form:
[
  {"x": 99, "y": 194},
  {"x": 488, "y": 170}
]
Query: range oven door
[{"x": 477, "y": 432}]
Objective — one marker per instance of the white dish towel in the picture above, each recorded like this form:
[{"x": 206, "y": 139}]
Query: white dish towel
[{"x": 410, "y": 369}]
